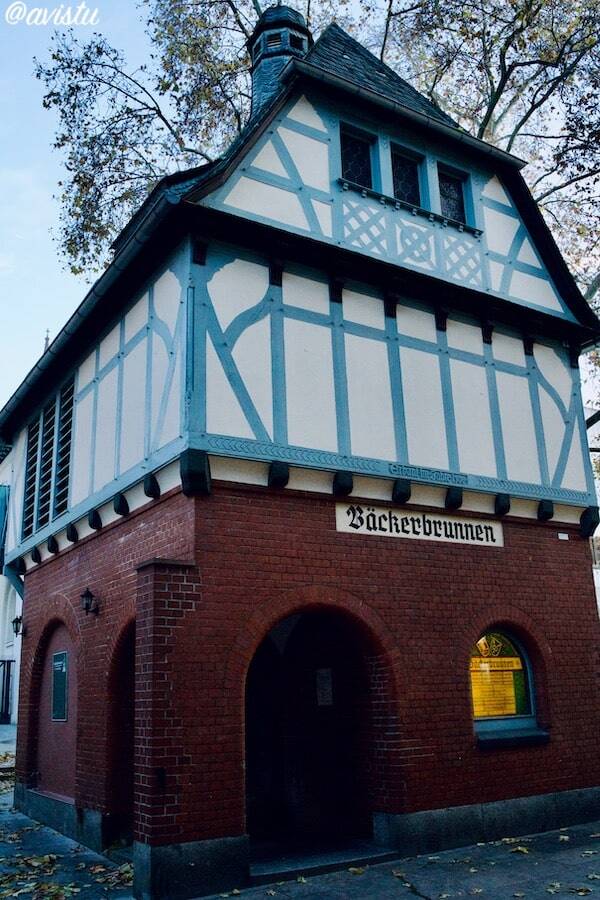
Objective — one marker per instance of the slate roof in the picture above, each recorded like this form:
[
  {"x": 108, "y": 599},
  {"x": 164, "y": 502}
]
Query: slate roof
[{"x": 338, "y": 53}]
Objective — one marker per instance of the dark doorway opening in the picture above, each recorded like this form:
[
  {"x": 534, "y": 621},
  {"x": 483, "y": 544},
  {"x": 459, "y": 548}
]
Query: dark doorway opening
[
  {"x": 309, "y": 739},
  {"x": 118, "y": 830}
]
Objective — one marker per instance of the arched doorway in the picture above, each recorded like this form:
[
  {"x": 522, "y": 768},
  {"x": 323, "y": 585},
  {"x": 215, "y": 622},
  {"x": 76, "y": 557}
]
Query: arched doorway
[
  {"x": 55, "y": 762},
  {"x": 121, "y": 721},
  {"x": 310, "y": 743}
]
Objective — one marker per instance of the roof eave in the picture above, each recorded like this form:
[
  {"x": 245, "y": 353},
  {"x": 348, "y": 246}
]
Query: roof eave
[{"x": 309, "y": 70}]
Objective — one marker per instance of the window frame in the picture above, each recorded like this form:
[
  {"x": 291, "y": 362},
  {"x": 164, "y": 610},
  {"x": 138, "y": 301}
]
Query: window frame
[
  {"x": 371, "y": 139},
  {"x": 420, "y": 161},
  {"x": 516, "y": 728},
  {"x": 464, "y": 179}
]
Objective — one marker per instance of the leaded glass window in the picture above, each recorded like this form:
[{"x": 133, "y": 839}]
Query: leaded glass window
[
  {"x": 405, "y": 172},
  {"x": 452, "y": 197},
  {"x": 356, "y": 158},
  {"x": 499, "y": 679}
]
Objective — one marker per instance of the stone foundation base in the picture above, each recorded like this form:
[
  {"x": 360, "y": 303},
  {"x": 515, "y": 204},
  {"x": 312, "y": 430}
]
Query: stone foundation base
[
  {"x": 193, "y": 869},
  {"x": 86, "y": 826},
  {"x": 458, "y": 826}
]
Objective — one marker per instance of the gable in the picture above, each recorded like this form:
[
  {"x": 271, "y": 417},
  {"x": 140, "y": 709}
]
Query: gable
[{"x": 292, "y": 178}]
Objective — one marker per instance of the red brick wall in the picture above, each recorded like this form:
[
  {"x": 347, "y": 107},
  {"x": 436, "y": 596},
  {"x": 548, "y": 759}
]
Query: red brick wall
[{"x": 261, "y": 555}]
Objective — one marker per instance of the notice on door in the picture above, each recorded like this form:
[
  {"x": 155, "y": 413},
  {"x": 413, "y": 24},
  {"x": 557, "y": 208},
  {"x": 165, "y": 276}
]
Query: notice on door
[{"x": 354, "y": 518}]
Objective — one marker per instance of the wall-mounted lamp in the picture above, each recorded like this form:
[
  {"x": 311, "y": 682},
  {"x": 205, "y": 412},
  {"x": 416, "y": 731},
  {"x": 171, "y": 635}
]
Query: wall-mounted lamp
[
  {"x": 17, "y": 625},
  {"x": 89, "y": 603}
]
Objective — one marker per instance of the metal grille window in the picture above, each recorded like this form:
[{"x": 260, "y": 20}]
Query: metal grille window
[
  {"x": 33, "y": 437},
  {"x": 356, "y": 158},
  {"x": 405, "y": 172},
  {"x": 452, "y": 197},
  {"x": 47, "y": 462},
  {"x": 63, "y": 450}
]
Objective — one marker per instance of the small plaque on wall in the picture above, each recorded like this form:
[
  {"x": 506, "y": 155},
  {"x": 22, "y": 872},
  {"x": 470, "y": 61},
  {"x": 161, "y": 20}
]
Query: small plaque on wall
[
  {"x": 324, "y": 687},
  {"x": 59, "y": 686},
  {"x": 380, "y": 521}
]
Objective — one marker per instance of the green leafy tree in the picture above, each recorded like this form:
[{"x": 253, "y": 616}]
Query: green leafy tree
[{"x": 522, "y": 74}]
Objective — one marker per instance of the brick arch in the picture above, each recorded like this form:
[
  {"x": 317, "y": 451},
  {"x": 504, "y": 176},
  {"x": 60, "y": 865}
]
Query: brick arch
[
  {"x": 382, "y": 658},
  {"x": 298, "y": 600},
  {"x": 58, "y": 613},
  {"x": 514, "y": 620},
  {"x": 119, "y": 729}
]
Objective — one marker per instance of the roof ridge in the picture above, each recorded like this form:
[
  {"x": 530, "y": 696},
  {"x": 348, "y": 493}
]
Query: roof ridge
[{"x": 382, "y": 70}]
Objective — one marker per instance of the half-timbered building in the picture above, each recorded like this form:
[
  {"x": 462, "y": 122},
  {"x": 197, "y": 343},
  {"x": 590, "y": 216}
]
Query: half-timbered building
[{"x": 300, "y": 497}]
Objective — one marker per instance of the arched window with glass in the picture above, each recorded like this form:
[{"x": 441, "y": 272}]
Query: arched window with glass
[{"x": 502, "y": 689}]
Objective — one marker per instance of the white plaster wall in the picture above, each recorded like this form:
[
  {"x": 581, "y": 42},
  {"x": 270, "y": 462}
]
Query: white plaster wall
[
  {"x": 473, "y": 419},
  {"x": 252, "y": 355},
  {"x": 266, "y": 200},
  {"x": 555, "y": 369},
  {"x": 574, "y": 476},
  {"x": 305, "y": 293},
  {"x": 309, "y": 386},
  {"x": 224, "y": 414},
  {"x": 310, "y": 156},
  {"x": 106, "y": 431},
  {"x": 150, "y": 410},
  {"x": 423, "y": 408},
  {"x": 416, "y": 323},
  {"x": 516, "y": 415},
  {"x": 133, "y": 407},
  {"x": 81, "y": 461},
  {"x": 369, "y": 399},
  {"x": 235, "y": 287},
  {"x": 500, "y": 230},
  {"x": 507, "y": 348},
  {"x": 464, "y": 336},
  {"x": 554, "y": 429},
  {"x": 363, "y": 308}
]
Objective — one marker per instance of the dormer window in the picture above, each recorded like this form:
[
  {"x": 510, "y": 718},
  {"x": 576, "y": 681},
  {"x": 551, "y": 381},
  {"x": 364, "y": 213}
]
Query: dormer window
[
  {"x": 405, "y": 173},
  {"x": 274, "y": 40},
  {"x": 356, "y": 157},
  {"x": 452, "y": 197}
]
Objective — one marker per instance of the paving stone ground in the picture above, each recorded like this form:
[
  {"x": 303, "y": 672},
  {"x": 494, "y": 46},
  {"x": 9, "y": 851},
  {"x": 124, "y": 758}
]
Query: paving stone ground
[{"x": 36, "y": 862}]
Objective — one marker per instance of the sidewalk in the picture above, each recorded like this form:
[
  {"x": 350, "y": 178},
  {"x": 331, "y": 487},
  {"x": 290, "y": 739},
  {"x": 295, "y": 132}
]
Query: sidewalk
[{"x": 36, "y": 863}]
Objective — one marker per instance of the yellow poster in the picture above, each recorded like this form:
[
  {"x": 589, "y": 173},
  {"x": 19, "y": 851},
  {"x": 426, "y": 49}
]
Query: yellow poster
[{"x": 492, "y": 686}]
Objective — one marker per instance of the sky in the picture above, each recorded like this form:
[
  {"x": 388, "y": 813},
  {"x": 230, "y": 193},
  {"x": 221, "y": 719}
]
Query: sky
[{"x": 36, "y": 293}]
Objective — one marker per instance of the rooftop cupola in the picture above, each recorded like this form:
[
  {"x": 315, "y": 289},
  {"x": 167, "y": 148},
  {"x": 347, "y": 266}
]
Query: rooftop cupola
[{"x": 280, "y": 35}]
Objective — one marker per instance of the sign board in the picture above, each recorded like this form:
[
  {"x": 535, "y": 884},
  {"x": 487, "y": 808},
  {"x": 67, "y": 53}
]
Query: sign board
[
  {"x": 381, "y": 521},
  {"x": 59, "y": 686}
]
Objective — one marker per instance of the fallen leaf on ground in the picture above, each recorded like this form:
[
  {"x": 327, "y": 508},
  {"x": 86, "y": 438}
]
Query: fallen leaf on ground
[
  {"x": 581, "y": 891},
  {"x": 519, "y": 849},
  {"x": 271, "y": 893},
  {"x": 301, "y": 879},
  {"x": 564, "y": 837},
  {"x": 357, "y": 870}
]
